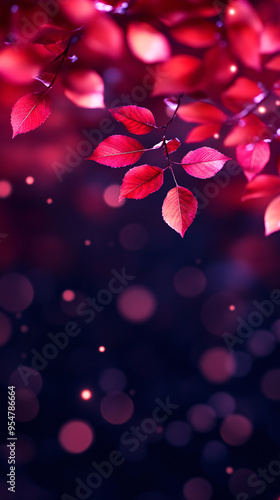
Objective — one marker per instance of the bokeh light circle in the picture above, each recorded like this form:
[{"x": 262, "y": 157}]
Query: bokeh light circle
[
  {"x": 197, "y": 488},
  {"x": 189, "y": 282},
  {"x": 261, "y": 343},
  {"x": 116, "y": 408},
  {"x": 223, "y": 404},
  {"x": 202, "y": 418},
  {"x": 238, "y": 483},
  {"x": 112, "y": 380},
  {"x": 5, "y": 328},
  {"x": 5, "y": 189},
  {"x": 236, "y": 430},
  {"x": 86, "y": 394},
  {"x": 27, "y": 405},
  {"x": 76, "y": 436},
  {"x": 133, "y": 237},
  {"x": 111, "y": 196},
  {"x": 178, "y": 433},
  {"x": 68, "y": 295},
  {"x": 16, "y": 292},
  {"x": 137, "y": 304},
  {"x": 214, "y": 452},
  {"x": 217, "y": 365},
  {"x": 270, "y": 384}
]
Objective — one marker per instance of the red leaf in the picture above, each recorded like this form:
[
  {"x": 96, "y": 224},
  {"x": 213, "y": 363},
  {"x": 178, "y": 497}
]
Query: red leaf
[
  {"x": 201, "y": 112},
  {"x": 242, "y": 92},
  {"x": 147, "y": 44},
  {"x": 203, "y": 132},
  {"x": 118, "y": 151},
  {"x": 272, "y": 217},
  {"x": 181, "y": 73},
  {"x": 173, "y": 145},
  {"x": 45, "y": 78},
  {"x": 135, "y": 119},
  {"x": 244, "y": 28},
  {"x": 179, "y": 209},
  {"x": 247, "y": 130},
  {"x": 218, "y": 63},
  {"x": 253, "y": 158},
  {"x": 197, "y": 33},
  {"x": 50, "y": 35},
  {"x": 104, "y": 37},
  {"x": 85, "y": 88},
  {"x": 262, "y": 186},
  {"x": 203, "y": 162},
  {"x": 273, "y": 64},
  {"x": 141, "y": 181},
  {"x": 29, "y": 112}
]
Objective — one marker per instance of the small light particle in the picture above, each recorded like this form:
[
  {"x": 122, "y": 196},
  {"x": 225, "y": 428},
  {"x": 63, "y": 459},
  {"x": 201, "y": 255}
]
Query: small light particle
[
  {"x": 24, "y": 328},
  {"x": 49, "y": 201},
  {"x": 29, "y": 180},
  {"x": 232, "y": 307},
  {"x": 232, "y": 12},
  {"x": 216, "y": 136},
  {"x": 233, "y": 68},
  {"x": 86, "y": 394},
  {"x": 102, "y": 348},
  {"x": 261, "y": 110},
  {"x": 229, "y": 470},
  {"x": 87, "y": 243}
]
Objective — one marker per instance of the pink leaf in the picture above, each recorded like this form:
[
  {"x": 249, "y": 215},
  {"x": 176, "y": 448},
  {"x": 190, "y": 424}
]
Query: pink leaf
[
  {"x": 147, "y": 44},
  {"x": 173, "y": 145},
  {"x": 272, "y": 217},
  {"x": 203, "y": 132},
  {"x": 270, "y": 38},
  {"x": 201, "y": 112},
  {"x": 204, "y": 162},
  {"x": 135, "y": 119},
  {"x": 29, "y": 112},
  {"x": 262, "y": 186},
  {"x": 118, "y": 151},
  {"x": 253, "y": 158},
  {"x": 85, "y": 88},
  {"x": 141, "y": 181},
  {"x": 179, "y": 209}
]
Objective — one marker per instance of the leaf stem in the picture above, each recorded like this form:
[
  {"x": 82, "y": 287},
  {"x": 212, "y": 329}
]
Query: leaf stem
[{"x": 170, "y": 167}]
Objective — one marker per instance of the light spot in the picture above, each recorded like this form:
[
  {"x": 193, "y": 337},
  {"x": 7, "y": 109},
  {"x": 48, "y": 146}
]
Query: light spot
[
  {"x": 86, "y": 394},
  {"x": 68, "y": 295},
  {"x": 5, "y": 189},
  {"x": 29, "y": 180}
]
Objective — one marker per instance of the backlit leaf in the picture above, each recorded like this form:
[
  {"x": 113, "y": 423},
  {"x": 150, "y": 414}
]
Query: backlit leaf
[
  {"x": 141, "y": 181},
  {"x": 29, "y": 112},
  {"x": 253, "y": 158},
  {"x": 179, "y": 209},
  {"x": 118, "y": 151},
  {"x": 135, "y": 119},
  {"x": 204, "y": 162}
]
